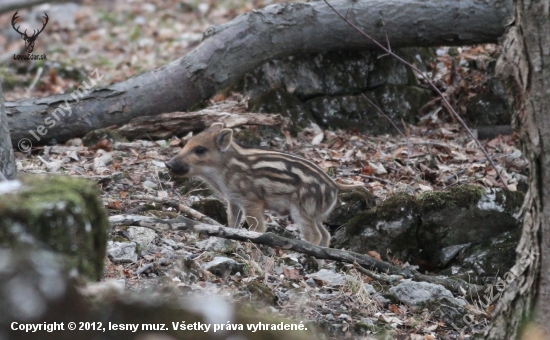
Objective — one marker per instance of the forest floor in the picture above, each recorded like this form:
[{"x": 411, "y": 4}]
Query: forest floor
[{"x": 435, "y": 155}]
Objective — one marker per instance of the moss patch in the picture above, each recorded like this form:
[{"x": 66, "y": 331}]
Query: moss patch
[
  {"x": 459, "y": 196},
  {"x": 394, "y": 204}
]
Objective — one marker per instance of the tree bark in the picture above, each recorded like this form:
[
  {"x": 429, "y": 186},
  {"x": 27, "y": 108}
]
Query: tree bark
[
  {"x": 7, "y": 160},
  {"x": 525, "y": 303},
  {"x": 231, "y": 50}
]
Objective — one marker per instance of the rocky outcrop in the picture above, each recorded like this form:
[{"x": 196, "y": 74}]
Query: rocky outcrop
[
  {"x": 468, "y": 228},
  {"x": 329, "y": 89}
]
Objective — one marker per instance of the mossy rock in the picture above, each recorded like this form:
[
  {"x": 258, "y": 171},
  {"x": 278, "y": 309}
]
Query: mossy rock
[
  {"x": 348, "y": 206},
  {"x": 418, "y": 228},
  {"x": 61, "y": 213},
  {"x": 164, "y": 310},
  {"x": 459, "y": 196}
]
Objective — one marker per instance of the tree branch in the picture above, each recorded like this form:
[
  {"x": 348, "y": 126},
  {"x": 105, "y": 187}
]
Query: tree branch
[{"x": 270, "y": 239}]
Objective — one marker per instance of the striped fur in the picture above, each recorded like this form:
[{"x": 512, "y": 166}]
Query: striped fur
[{"x": 254, "y": 179}]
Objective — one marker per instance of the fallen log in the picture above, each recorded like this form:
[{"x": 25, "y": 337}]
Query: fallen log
[
  {"x": 270, "y": 239},
  {"x": 231, "y": 50},
  {"x": 167, "y": 125}
]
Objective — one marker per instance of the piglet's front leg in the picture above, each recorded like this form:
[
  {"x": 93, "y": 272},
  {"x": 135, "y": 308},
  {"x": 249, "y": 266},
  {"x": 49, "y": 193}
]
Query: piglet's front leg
[{"x": 234, "y": 215}]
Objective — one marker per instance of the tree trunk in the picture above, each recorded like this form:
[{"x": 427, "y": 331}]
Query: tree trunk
[
  {"x": 7, "y": 160},
  {"x": 525, "y": 303},
  {"x": 231, "y": 50}
]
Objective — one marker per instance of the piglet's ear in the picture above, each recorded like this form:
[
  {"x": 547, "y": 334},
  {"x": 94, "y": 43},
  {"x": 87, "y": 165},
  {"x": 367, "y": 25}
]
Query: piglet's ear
[
  {"x": 216, "y": 127},
  {"x": 224, "y": 138}
]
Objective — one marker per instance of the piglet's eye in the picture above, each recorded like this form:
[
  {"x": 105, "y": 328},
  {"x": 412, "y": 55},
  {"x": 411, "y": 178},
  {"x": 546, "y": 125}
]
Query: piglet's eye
[{"x": 199, "y": 150}]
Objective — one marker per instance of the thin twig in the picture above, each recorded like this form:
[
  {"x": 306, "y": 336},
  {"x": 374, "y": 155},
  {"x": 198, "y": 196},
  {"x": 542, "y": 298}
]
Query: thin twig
[
  {"x": 182, "y": 208},
  {"x": 376, "y": 179},
  {"x": 432, "y": 85},
  {"x": 386, "y": 31},
  {"x": 35, "y": 80},
  {"x": 378, "y": 277}
]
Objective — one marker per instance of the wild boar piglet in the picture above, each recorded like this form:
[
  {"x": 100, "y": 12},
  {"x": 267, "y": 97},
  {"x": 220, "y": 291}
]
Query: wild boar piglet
[{"x": 253, "y": 179}]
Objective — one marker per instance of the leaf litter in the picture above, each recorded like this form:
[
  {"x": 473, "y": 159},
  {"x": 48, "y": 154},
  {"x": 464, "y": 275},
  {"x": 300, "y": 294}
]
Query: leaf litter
[{"x": 133, "y": 179}]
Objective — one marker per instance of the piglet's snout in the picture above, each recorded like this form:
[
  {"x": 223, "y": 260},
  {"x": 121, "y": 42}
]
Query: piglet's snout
[{"x": 176, "y": 167}]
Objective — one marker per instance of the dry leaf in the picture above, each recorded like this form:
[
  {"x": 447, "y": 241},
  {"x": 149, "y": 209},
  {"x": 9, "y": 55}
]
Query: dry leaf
[
  {"x": 291, "y": 273},
  {"x": 378, "y": 168},
  {"x": 103, "y": 144},
  {"x": 318, "y": 138},
  {"x": 175, "y": 143},
  {"x": 116, "y": 205},
  {"x": 394, "y": 309},
  {"x": 367, "y": 170},
  {"x": 374, "y": 255}
]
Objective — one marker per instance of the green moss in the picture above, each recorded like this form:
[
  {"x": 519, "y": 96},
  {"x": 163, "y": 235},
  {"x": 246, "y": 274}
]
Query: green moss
[
  {"x": 357, "y": 224},
  {"x": 394, "y": 204},
  {"x": 459, "y": 196},
  {"x": 119, "y": 239},
  {"x": 510, "y": 200},
  {"x": 62, "y": 213},
  {"x": 349, "y": 204}
]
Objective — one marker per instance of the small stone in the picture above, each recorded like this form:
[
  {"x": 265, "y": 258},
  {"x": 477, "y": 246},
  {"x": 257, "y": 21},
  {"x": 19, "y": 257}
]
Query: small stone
[
  {"x": 150, "y": 185},
  {"x": 142, "y": 236},
  {"x": 223, "y": 266},
  {"x": 158, "y": 164},
  {"x": 419, "y": 293},
  {"x": 170, "y": 243},
  {"x": 122, "y": 252},
  {"x": 446, "y": 254},
  {"x": 328, "y": 277},
  {"x": 330, "y": 317},
  {"x": 215, "y": 244},
  {"x": 311, "y": 282},
  {"x": 367, "y": 322}
]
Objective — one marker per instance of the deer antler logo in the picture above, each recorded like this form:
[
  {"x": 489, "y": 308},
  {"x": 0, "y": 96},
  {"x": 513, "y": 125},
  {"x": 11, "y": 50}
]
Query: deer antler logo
[{"x": 29, "y": 41}]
